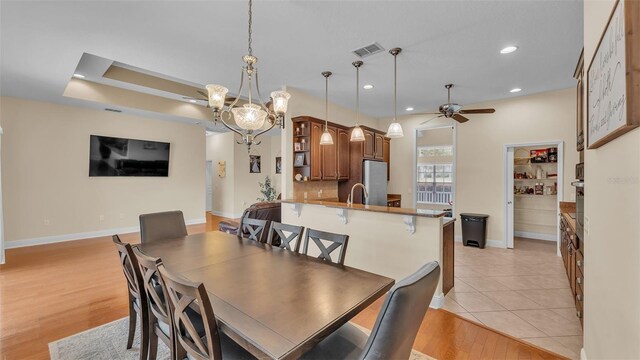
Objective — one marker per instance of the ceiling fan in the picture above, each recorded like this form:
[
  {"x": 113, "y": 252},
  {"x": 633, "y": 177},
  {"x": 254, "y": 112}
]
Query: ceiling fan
[{"x": 453, "y": 110}]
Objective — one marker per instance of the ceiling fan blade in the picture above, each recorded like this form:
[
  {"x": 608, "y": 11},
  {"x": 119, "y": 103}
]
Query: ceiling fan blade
[
  {"x": 459, "y": 118},
  {"x": 427, "y": 113},
  {"x": 192, "y": 98},
  {"x": 433, "y": 118},
  {"x": 477, "y": 111}
]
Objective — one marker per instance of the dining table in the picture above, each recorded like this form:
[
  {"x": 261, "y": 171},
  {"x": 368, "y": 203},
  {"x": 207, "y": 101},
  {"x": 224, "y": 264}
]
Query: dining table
[{"x": 275, "y": 303}]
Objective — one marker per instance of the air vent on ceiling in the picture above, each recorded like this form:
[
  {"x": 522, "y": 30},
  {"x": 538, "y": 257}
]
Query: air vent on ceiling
[
  {"x": 113, "y": 110},
  {"x": 368, "y": 50}
]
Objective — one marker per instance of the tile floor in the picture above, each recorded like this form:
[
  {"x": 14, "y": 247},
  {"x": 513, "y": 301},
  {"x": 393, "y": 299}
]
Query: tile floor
[{"x": 523, "y": 292}]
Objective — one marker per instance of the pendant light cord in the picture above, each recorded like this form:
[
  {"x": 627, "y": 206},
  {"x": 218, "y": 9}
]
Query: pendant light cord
[
  {"x": 395, "y": 88},
  {"x": 357, "y": 95},
  {"x": 326, "y": 102},
  {"x": 250, "y": 26}
]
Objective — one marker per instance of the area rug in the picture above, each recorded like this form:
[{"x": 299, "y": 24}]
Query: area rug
[{"x": 108, "y": 342}]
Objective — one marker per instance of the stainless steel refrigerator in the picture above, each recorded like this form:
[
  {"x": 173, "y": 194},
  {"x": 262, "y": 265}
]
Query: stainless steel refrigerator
[{"x": 375, "y": 180}]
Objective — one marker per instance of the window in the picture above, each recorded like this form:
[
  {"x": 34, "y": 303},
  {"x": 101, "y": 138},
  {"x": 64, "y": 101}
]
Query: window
[{"x": 435, "y": 177}]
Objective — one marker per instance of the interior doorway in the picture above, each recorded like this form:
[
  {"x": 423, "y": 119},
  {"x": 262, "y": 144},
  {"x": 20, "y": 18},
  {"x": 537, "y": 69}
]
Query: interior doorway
[
  {"x": 435, "y": 168},
  {"x": 209, "y": 185},
  {"x": 534, "y": 186}
]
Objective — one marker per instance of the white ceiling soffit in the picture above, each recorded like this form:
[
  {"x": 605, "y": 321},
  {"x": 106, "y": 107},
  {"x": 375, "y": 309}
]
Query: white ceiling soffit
[{"x": 203, "y": 42}]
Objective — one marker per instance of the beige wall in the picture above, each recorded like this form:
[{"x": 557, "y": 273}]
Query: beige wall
[
  {"x": 45, "y": 160},
  {"x": 304, "y": 104},
  {"x": 612, "y": 246},
  {"x": 239, "y": 188},
  {"x": 480, "y": 150}
]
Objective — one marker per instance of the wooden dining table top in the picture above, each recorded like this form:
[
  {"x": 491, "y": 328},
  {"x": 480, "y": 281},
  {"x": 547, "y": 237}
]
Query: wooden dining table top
[{"x": 275, "y": 303}]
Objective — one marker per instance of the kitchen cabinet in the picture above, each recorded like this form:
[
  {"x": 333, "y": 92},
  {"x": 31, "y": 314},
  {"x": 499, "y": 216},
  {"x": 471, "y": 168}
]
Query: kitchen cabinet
[
  {"x": 378, "y": 151},
  {"x": 572, "y": 250},
  {"x": 321, "y": 162},
  {"x": 386, "y": 155},
  {"x": 344, "y": 145},
  {"x": 369, "y": 144},
  {"x": 448, "y": 247}
]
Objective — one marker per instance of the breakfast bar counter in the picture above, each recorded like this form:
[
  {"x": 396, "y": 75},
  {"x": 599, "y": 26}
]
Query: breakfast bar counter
[{"x": 389, "y": 241}]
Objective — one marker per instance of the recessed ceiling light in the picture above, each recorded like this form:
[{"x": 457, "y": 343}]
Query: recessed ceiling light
[
  {"x": 508, "y": 50},
  {"x": 515, "y": 90},
  {"x": 79, "y": 76},
  {"x": 368, "y": 87},
  {"x": 192, "y": 101},
  {"x": 409, "y": 108}
]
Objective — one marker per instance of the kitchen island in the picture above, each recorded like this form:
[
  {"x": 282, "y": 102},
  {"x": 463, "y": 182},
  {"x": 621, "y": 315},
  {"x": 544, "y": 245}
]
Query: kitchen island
[{"x": 389, "y": 241}]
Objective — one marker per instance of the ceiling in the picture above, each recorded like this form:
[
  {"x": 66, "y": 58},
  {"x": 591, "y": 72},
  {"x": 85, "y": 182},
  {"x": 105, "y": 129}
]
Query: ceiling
[{"x": 200, "y": 42}]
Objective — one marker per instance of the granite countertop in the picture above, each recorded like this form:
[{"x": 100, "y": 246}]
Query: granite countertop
[{"x": 373, "y": 208}]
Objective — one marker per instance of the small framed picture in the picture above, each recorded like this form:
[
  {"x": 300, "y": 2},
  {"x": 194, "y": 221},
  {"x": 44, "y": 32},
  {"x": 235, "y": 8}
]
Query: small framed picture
[
  {"x": 297, "y": 146},
  {"x": 278, "y": 165},
  {"x": 299, "y": 160},
  {"x": 254, "y": 164}
]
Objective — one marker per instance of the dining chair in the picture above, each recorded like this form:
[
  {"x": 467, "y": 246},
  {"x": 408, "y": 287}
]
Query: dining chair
[
  {"x": 278, "y": 230},
  {"x": 206, "y": 342},
  {"x": 338, "y": 241},
  {"x": 138, "y": 305},
  {"x": 254, "y": 227},
  {"x": 159, "y": 319},
  {"x": 162, "y": 225},
  {"x": 395, "y": 328}
]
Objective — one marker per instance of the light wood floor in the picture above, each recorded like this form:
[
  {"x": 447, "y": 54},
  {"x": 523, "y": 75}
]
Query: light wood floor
[{"x": 52, "y": 291}]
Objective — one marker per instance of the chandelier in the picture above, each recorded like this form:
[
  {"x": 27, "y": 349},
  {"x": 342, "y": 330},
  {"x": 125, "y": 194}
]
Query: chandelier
[{"x": 251, "y": 116}]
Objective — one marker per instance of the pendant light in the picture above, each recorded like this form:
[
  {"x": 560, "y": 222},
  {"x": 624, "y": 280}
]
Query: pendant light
[
  {"x": 326, "y": 138},
  {"x": 357, "y": 134},
  {"x": 395, "y": 129}
]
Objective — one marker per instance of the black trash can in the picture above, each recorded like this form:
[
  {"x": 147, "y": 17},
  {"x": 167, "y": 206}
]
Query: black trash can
[{"x": 474, "y": 229}]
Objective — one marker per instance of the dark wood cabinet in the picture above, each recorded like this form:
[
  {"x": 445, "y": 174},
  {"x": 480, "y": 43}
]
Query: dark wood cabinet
[
  {"x": 386, "y": 155},
  {"x": 330, "y": 157},
  {"x": 448, "y": 235},
  {"x": 321, "y": 162},
  {"x": 378, "y": 151},
  {"x": 369, "y": 144},
  {"x": 572, "y": 252},
  {"x": 316, "y": 152},
  {"x": 344, "y": 145}
]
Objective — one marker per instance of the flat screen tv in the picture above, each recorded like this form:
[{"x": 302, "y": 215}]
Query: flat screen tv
[{"x": 111, "y": 156}]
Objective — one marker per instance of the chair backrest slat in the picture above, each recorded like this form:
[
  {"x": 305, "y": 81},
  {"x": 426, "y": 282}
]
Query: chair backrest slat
[
  {"x": 162, "y": 225},
  {"x": 152, "y": 282},
  {"x": 131, "y": 270},
  {"x": 401, "y": 315},
  {"x": 338, "y": 241},
  {"x": 254, "y": 227},
  {"x": 183, "y": 294},
  {"x": 279, "y": 229}
]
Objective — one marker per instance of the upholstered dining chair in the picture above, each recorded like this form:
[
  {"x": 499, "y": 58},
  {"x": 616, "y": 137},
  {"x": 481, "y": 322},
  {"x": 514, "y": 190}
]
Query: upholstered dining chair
[
  {"x": 138, "y": 306},
  {"x": 279, "y": 229},
  {"x": 162, "y": 225},
  {"x": 201, "y": 340},
  {"x": 396, "y": 327},
  {"x": 338, "y": 241},
  {"x": 159, "y": 320},
  {"x": 254, "y": 227}
]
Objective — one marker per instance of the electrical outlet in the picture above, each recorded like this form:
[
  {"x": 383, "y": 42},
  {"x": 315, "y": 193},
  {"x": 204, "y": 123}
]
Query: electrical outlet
[
  {"x": 47, "y": 222},
  {"x": 101, "y": 217}
]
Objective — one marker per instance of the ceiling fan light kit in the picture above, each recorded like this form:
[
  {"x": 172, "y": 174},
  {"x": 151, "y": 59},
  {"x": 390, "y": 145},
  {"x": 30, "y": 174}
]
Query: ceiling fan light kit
[
  {"x": 250, "y": 117},
  {"x": 395, "y": 129},
  {"x": 357, "y": 134},
  {"x": 326, "y": 138}
]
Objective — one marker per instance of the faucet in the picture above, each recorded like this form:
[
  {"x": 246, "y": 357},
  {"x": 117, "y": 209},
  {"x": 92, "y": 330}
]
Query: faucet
[{"x": 366, "y": 194}]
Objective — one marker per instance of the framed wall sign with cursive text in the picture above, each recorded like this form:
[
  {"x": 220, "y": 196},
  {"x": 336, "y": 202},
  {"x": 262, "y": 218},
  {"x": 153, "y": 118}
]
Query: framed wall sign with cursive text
[{"x": 613, "y": 77}]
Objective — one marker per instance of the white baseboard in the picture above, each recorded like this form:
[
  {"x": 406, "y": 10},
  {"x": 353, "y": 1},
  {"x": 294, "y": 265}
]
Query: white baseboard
[
  {"x": 490, "y": 243},
  {"x": 226, "y": 214},
  {"x": 583, "y": 354},
  {"x": 437, "y": 301},
  {"x": 536, "y": 236},
  {"x": 79, "y": 236}
]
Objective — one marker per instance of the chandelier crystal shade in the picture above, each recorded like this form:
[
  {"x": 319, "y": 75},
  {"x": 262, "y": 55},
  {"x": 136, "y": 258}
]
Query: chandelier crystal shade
[
  {"x": 395, "y": 129},
  {"x": 357, "y": 134},
  {"x": 250, "y": 118}
]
